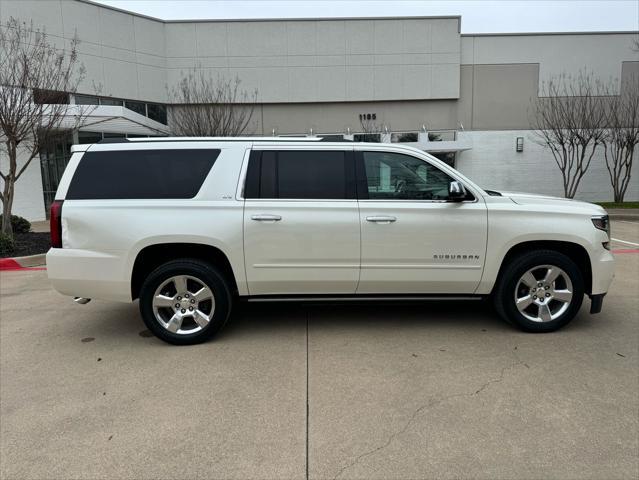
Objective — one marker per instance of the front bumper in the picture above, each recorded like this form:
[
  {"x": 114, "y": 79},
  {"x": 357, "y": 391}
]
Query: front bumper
[{"x": 603, "y": 271}]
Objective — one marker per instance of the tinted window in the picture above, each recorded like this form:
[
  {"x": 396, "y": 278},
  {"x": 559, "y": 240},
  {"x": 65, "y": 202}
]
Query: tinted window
[
  {"x": 141, "y": 174},
  {"x": 137, "y": 107},
  {"x": 300, "y": 175},
  {"x": 402, "y": 177},
  {"x": 156, "y": 112}
]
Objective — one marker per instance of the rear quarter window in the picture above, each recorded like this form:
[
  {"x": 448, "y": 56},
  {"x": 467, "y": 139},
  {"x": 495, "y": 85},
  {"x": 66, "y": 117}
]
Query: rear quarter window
[{"x": 141, "y": 174}]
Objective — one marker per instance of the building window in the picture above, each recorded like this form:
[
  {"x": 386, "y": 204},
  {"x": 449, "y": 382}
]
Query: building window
[
  {"x": 87, "y": 100},
  {"x": 54, "y": 157},
  {"x": 137, "y": 107},
  {"x": 111, "y": 101},
  {"x": 368, "y": 137},
  {"x": 89, "y": 137},
  {"x": 441, "y": 136},
  {"x": 157, "y": 112},
  {"x": 43, "y": 97},
  {"x": 404, "y": 137}
]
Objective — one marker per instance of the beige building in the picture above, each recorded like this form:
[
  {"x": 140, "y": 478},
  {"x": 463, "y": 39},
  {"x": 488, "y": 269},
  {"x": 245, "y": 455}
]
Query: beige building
[{"x": 465, "y": 98}]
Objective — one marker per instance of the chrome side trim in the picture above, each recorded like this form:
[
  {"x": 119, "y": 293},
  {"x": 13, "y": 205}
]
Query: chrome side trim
[
  {"x": 370, "y": 266},
  {"x": 361, "y": 299}
]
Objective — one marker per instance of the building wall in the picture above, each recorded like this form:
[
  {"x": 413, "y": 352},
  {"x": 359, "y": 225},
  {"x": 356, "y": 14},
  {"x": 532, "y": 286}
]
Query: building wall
[
  {"x": 131, "y": 56},
  {"x": 601, "y": 54},
  {"x": 28, "y": 201},
  {"x": 494, "y": 164}
]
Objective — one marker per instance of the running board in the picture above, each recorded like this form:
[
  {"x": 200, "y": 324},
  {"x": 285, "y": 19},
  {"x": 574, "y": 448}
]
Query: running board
[{"x": 358, "y": 298}]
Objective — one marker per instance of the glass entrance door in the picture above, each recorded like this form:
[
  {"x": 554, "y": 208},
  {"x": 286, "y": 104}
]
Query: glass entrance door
[{"x": 54, "y": 157}]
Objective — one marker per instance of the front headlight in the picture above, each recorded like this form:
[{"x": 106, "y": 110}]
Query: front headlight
[{"x": 602, "y": 222}]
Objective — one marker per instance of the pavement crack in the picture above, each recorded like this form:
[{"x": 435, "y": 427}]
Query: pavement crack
[
  {"x": 307, "y": 398},
  {"x": 432, "y": 403}
]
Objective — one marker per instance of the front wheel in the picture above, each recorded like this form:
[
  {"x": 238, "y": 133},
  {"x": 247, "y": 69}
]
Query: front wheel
[
  {"x": 540, "y": 291},
  {"x": 185, "y": 301}
]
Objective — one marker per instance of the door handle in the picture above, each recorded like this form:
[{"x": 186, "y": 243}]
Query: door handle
[
  {"x": 381, "y": 219},
  {"x": 266, "y": 218}
]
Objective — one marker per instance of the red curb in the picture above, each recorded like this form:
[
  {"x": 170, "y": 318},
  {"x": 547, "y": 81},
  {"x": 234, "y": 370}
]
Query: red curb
[
  {"x": 9, "y": 264},
  {"x": 627, "y": 250}
]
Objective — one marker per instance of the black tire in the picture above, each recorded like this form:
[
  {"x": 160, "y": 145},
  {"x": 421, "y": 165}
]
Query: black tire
[
  {"x": 205, "y": 274},
  {"x": 504, "y": 293}
]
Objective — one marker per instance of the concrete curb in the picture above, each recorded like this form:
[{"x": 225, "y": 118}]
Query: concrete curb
[
  {"x": 32, "y": 260},
  {"x": 629, "y": 214},
  {"x": 18, "y": 263},
  {"x": 631, "y": 217}
]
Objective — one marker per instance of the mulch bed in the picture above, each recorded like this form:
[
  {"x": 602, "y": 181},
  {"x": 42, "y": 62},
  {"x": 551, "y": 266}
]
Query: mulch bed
[{"x": 31, "y": 243}]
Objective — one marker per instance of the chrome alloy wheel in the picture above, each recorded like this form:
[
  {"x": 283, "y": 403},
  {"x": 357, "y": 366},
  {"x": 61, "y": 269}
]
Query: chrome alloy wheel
[
  {"x": 183, "y": 304},
  {"x": 543, "y": 293}
]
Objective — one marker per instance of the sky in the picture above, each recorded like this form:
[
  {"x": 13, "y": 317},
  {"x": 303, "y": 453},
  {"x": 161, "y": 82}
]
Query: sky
[{"x": 496, "y": 16}]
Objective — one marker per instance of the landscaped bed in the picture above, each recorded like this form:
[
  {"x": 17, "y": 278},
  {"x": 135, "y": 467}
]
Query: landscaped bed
[
  {"x": 30, "y": 243},
  {"x": 619, "y": 205}
]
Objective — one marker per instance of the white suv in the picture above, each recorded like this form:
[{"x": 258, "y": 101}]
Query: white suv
[{"x": 189, "y": 225}]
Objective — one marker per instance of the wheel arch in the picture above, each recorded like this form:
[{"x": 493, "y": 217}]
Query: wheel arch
[
  {"x": 577, "y": 253},
  {"x": 152, "y": 256}
]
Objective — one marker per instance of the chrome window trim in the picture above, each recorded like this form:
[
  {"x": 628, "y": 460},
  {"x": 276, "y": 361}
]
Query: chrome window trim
[{"x": 385, "y": 147}]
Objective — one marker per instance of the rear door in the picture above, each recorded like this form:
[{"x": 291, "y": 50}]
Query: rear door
[
  {"x": 301, "y": 221},
  {"x": 413, "y": 239}
]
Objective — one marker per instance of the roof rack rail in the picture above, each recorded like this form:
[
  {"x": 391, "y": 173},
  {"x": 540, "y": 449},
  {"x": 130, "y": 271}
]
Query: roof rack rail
[{"x": 114, "y": 140}]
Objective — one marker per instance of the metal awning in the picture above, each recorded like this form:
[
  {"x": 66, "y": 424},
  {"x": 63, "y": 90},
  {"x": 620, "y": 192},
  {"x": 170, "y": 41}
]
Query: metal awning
[
  {"x": 112, "y": 119},
  {"x": 443, "y": 146}
]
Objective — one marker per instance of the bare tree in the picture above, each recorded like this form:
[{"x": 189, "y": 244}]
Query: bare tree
[
  {"x": 569, "y": 119},
  {"x": 372, "y": 129},
  {"x": 622, "y": 136},
  {"x": 210, "y": 107},
  {"x": 35, "y": 80}
]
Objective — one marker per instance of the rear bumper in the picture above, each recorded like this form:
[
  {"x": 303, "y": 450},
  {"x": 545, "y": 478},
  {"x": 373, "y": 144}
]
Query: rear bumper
[{"x": 90, "y": 274}]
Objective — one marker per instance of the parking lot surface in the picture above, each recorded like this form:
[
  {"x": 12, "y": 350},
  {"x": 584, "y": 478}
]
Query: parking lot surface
[{"x": 435, "y": 390}]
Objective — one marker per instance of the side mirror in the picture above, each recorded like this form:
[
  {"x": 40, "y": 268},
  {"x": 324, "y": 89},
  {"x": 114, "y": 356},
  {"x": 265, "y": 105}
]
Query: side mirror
[{"x": 456, "y": 191}]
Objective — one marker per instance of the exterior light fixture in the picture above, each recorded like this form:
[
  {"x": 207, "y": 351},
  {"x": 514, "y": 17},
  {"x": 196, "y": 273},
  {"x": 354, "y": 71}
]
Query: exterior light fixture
[{"x": 519, "y": 145}]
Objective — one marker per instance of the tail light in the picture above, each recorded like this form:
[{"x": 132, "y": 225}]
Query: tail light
[{"x": 56, "y": 224}]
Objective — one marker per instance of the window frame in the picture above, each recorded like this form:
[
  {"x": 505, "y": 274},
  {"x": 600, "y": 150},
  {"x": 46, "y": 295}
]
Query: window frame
[
  {"x": 362, "y": 180},
  {"x": 251, "y": 181}
]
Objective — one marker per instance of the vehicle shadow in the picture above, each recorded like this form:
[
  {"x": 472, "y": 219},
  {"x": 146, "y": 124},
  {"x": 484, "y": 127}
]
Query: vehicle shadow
[
  {"x": 264, "y": 320},
  {"x": 256, "y": 318}
]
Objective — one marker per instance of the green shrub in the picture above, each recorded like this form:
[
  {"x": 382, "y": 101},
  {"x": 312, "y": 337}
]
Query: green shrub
[
  {"x": 6, "y": 244},
  {"x": 19, "y": 224}
]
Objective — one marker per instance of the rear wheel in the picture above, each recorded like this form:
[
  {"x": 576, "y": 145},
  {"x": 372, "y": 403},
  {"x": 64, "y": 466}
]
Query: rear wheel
[
  {"x": 540, "y": 291},
  {"x": 185, "y": 301}
]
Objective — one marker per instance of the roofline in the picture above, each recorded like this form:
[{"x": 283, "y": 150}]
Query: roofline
[
  {"x": 283, "y": 19},
  {"x": 534, "y": 34}
]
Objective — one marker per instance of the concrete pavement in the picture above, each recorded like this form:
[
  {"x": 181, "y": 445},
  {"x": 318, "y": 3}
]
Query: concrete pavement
[{"x": 437, "y": 390}]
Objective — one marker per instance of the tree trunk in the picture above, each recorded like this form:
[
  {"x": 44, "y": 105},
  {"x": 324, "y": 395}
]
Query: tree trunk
[
  {"x": 7, "y": 203},
  {"x": 7, "y": 193}
]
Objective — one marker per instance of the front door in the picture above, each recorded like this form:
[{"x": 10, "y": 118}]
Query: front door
[
  {"x": 413, "y": 239},
  {"x": 301, "y": 222}
]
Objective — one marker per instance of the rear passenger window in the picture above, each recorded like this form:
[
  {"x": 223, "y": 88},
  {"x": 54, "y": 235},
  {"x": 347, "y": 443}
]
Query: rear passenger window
[
  {"x": 300, "y": 174},
  {"x": 141, "y": 174}
]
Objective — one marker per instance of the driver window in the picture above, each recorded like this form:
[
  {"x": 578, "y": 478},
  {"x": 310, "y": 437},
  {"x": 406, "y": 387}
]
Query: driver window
[{"x": 395, "y": 176}]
